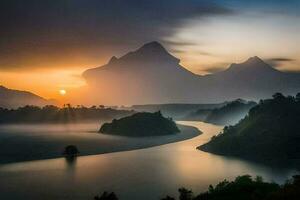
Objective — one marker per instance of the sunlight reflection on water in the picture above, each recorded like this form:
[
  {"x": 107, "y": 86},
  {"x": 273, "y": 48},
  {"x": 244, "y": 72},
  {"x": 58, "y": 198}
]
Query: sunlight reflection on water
[{"x": 139, "y": 174}]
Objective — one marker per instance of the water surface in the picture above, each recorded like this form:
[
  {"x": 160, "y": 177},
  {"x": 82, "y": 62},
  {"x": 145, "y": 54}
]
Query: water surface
[
  {"x": 138, "y": 174},
  {"x": 43, "y": 141}
]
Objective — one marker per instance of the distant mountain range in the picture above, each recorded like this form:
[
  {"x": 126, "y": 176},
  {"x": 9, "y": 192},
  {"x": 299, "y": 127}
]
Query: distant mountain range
[
  {"x": 229, "y": 114},
  {"x": 176, "y": 111},
  {"x": 15, "y": 98},
  {"x": 152, "y": 75}
]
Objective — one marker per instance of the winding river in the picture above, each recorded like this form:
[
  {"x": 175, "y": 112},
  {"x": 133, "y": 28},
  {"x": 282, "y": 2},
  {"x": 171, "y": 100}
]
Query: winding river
[{"x": 149, "y": 173}]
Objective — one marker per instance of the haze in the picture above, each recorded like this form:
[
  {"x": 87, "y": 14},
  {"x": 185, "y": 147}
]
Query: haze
[{"x": 49, "y": 44}]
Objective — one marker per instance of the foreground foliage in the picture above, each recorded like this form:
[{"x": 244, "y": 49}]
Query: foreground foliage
[
  {"x": 242, "y": 188},
  {"x": 106, "y": 196}
]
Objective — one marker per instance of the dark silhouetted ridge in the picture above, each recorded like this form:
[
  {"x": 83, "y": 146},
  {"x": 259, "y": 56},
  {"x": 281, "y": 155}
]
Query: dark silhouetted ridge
[
  {"x": 153, "y": 46},
  {"x": 270, "y": 132},
  {"x": 2, "y": 87},
  {"x": 113, "y": 59},
  {"x": 10, "y": 98},
  {"x": 141, "y": 124}
]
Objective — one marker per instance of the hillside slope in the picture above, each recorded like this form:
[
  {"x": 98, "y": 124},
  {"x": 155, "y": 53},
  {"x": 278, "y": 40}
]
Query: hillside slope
[
  {"x": 15, "y": 98},
  {"x": 229, "y": 114},
  {"x": 270, "y": 132}
]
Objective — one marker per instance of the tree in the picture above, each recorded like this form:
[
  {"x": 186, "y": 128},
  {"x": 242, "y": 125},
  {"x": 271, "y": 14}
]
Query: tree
[
  {"x": 278, "y": 96},
  {"x": 168, "y": 198},
  {"x": 71, "y": 151},
  {"x": 185, "y": 194},
  {"x": 259, "y": 179},
  {"x": 298, "y": 97},
  {"x": 106, "y": 196}
]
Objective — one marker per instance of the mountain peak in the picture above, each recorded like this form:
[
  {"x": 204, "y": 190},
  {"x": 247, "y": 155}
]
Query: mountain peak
[
  {"x": 152, "y": 51},
  {"x": 113, "y": 59},
  {"x": 253, "y": 64},
  {"x": 153, "y": 44},
  {"x": 2, "y": 87},
  {"x": 153, "y": 47},
  {"x": 254, "y": 60}
]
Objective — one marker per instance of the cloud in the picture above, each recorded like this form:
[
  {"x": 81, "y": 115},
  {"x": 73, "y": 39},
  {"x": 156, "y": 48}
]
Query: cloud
[
  {"x": 177, "y": 51},
  {"x": 217, "y": 67},
  {"x": 178, "y": 43},
  {"x": 277, "y": 61},
  {"x": 204, "y": 53},
  {"x": 51, "y": 32}
]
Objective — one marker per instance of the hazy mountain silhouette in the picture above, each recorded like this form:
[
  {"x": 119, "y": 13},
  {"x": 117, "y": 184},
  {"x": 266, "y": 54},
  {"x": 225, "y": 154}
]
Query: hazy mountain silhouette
[
  {"x": 229, "y": 114},
  {"x": 15, "y": 98},
  {"x": 177, "y": 111},
  {"x": 152, "y": 75},
  {"x": 148, "y": 75},
  {"x": 252, "y": 79}
]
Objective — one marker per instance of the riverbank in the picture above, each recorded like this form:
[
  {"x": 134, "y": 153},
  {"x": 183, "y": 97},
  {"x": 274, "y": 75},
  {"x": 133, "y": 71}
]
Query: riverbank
[
  {"x": 36, "y": 142},
  {"x": 148, "y": 174}
]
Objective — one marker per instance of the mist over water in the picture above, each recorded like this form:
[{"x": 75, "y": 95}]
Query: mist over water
[
  {"x": 139, "y": 174},
  {"x": 130, "y": 96},
  {"x": 42, "y": 141}
]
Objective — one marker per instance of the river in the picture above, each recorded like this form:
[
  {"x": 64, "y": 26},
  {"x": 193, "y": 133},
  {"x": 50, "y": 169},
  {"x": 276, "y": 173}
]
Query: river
[{"x": 148, "y": 174}]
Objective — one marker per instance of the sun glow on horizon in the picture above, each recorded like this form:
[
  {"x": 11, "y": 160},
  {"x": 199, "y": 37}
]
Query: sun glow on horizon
[{"x": 62, "y": 92}]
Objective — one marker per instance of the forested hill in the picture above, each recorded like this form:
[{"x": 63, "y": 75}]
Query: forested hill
[
  {"x": 141, "y": 124},
  {"x": 270, "y": 132},
  {"x": 228, "y": 114}
]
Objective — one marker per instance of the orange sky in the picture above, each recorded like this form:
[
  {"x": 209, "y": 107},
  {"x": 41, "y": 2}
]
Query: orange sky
[
  {"x": 47, "y": 81},
  {"x": 44, "y": 83},
  {"x": 44, "y": 47}
]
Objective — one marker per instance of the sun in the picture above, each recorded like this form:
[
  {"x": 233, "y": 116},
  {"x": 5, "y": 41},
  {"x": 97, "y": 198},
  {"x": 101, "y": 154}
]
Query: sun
[{"x": 62, "y": 92}]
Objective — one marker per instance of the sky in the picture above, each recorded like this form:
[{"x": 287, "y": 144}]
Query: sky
[{"x": 46, "y": 45}]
